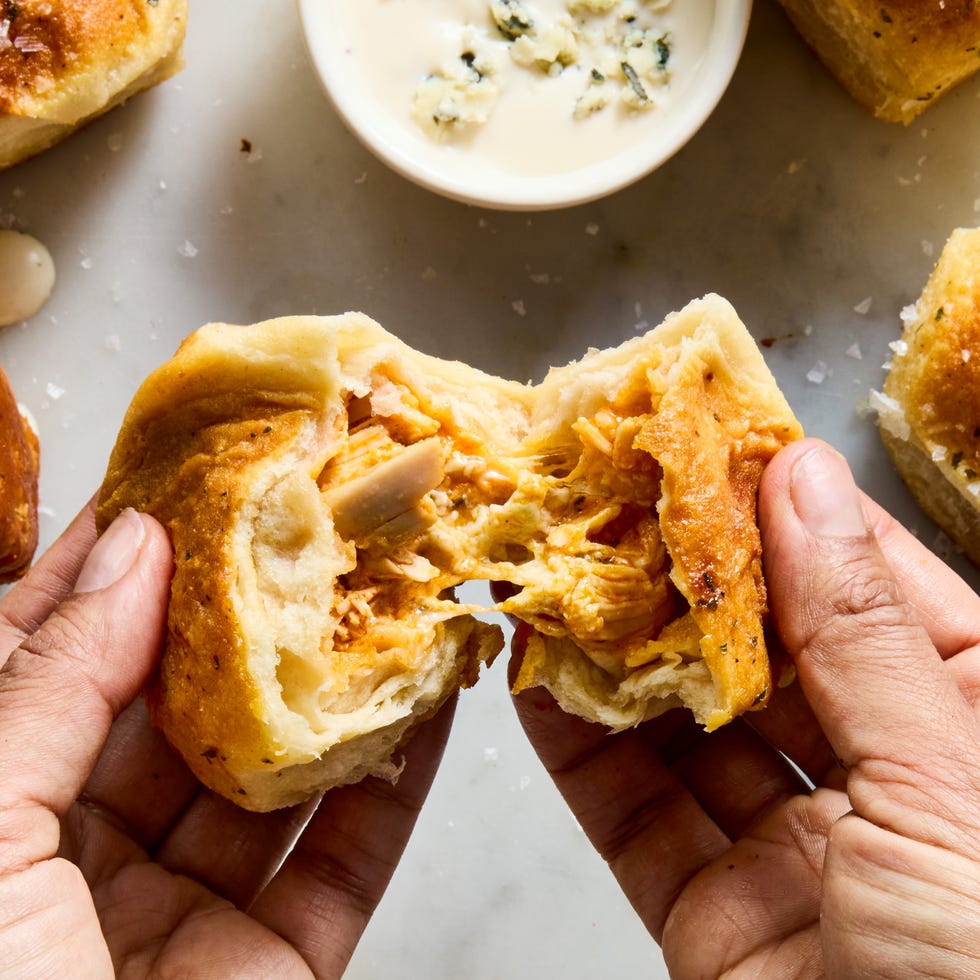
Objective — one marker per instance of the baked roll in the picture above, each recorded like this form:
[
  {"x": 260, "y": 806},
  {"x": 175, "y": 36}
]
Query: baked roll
[
  {"x": 19, "y": 464},
  {"x": 928, "y": 416},
  {"x": 896, "y": 57},
  {"x": 65, "y": 62},
  {"x": 326, "y": 487}
]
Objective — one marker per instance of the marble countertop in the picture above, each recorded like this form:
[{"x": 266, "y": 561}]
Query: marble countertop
[{"x": 817, "y": 221}]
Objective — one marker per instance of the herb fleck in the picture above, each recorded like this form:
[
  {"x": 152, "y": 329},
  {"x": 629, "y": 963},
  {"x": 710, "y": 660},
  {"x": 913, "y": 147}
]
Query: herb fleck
[{"x": 634, "y": 81}]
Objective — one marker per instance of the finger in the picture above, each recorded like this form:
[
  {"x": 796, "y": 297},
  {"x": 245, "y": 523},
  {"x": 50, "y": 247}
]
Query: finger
[
  {"x": 60, "y": 689},
  {"x": 788, "y": 724},
  {"x": 736, "y": 777},
  {"x": 35, "y": 597},
  {"x": 633, "y": 809},
  {"x": 230, "y": 850},
  {"x": 883, "y": 696},
  {"x": 762, "y": 898},
  {"x": 139, "y": 783},
  {"x": 322, "y": 898},
  {"x": 947, "y": 607}
]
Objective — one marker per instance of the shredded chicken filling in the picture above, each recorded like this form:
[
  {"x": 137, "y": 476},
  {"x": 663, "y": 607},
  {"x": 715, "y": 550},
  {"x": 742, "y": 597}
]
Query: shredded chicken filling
[{"x": 574, "y": 529}]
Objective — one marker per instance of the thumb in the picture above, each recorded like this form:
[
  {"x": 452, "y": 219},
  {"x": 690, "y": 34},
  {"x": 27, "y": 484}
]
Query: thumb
[
  {"x": 62, "y": 687},
  {"x": 886, "y": 702}
]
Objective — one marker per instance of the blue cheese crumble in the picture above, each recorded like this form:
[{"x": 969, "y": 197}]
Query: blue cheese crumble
[{"x": 621, "y": 48}]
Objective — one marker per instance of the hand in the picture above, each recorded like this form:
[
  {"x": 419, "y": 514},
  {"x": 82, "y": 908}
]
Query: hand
[
  {"x": 113, "y": 860},
  {"x": 735, "y": 864}
]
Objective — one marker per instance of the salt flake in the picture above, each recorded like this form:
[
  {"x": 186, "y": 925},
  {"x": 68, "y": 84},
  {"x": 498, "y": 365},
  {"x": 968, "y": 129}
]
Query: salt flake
[{"x": 818, "y": 373}]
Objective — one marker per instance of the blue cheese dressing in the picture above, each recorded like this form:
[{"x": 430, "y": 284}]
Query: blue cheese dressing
[{"x": 521, "y": 87}]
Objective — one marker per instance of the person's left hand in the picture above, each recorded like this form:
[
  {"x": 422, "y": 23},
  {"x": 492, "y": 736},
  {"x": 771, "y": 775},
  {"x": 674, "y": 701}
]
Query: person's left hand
[{"x": 114, "y": 861}]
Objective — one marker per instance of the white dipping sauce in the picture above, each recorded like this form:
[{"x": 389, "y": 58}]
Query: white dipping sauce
[
  {"x": 26, "y": 276},
  {"x": 531, "y": 128}
]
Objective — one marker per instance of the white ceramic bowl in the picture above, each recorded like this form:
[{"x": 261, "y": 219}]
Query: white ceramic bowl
[{"x": 370, "y": 80}]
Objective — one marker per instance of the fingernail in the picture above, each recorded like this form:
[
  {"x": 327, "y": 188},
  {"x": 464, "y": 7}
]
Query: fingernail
[
  {"x": 113, "y": 554},
  {"x": 825, "y": 496}
]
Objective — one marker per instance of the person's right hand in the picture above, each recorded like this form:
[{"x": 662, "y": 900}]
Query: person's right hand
[{"x": 735, "y": 865}]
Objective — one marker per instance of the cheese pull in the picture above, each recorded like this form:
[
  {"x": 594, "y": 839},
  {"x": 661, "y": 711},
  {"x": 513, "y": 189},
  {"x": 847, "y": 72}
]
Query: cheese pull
[{"x": 327, "y": 488}]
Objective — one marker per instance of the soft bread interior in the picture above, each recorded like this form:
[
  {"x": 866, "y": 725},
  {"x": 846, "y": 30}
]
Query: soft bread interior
[
  {"x": 351, "y": 483},
  {"x": 927, "y": 414}
]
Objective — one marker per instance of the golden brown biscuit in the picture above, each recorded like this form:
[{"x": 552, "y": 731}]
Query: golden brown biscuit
[
  {"x": 19, "y": 462},
  {"x": 929, "y": 417},
  {"x": 896, "y": 57},
  {"x": 64, "y": 62},
  {"x": 326, "y": 487}
]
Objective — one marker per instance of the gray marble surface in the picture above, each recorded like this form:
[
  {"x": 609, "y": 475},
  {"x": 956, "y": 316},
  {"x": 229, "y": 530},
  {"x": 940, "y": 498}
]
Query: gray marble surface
[{"x": 818, "y": 222}]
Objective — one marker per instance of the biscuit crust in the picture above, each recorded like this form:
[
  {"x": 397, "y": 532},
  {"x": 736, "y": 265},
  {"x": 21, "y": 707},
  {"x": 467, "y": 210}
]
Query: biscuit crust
[{"x": 65, "y": 62}]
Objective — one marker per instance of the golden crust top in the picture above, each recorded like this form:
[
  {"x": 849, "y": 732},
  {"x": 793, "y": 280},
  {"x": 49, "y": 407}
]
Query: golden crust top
[
  {"x": 64, "y": 62},
  {"x": 929, "y": 417},
  {"x": 894, "y": 56},
  {"x": 713, "y": 447},
  {"x": 19, "y": 461},
  {"x": 937, "y": 376},
  {"x": 49, "y": 45}
]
